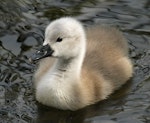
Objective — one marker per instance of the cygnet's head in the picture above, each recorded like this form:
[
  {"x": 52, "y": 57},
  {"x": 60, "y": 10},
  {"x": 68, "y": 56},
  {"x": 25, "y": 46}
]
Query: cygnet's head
[{"x": 64, "y": 38}]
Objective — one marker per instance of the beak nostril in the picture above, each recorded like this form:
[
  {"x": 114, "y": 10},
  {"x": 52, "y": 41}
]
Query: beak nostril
[{"x": 45, "y": 52}]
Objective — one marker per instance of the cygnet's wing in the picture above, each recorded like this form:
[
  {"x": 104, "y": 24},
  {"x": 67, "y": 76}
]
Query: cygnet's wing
[{"x": 106, "y": 49}]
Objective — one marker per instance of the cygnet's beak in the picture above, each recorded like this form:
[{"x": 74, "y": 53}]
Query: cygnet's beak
[{"x": 42, "y": 52}]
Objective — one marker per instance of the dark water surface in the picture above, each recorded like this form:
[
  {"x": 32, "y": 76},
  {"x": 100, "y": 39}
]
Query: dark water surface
[{"x": 22, "y": 24}]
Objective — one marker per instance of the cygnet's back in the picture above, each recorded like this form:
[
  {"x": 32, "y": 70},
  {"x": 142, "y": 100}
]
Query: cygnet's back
[{"x": 106, "y": 64}]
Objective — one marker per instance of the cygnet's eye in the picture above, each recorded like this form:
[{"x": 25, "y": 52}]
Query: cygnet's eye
[{"x": 59, "y": 39}]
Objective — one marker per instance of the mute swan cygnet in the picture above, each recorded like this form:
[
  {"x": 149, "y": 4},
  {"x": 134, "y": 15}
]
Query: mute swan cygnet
[{"x": 82, "y": 67}]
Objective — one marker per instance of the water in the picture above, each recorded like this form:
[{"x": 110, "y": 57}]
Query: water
[{"x": 22, "y": 24}]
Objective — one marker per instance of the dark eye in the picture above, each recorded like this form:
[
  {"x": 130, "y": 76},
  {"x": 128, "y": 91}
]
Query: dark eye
[{"x": 59, "y": 39}]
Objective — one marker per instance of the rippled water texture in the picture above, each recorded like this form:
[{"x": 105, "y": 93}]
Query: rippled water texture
[{"x": 22, "y": 24}]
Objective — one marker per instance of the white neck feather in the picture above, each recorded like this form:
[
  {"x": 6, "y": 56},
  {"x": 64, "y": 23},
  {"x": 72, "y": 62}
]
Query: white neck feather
[{"x": 70, "y": 67}]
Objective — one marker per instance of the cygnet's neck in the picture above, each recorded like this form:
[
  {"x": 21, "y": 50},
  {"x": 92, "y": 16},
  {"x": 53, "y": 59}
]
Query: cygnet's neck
[{"x": 71, "y": 66}]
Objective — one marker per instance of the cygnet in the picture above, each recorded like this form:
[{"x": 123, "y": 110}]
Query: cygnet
[{"x": 80, "y": 67}]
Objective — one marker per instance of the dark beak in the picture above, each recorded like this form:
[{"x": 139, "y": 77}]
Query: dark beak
[{"x": 42, "y": 52}]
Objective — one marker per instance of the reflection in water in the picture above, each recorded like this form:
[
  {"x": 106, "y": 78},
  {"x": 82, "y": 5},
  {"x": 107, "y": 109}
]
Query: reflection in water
[{"x": 22, "y": 25}]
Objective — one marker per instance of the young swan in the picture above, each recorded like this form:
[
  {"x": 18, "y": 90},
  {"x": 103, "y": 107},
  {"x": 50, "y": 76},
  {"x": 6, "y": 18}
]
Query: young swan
[{"x": 87, "y": 68}]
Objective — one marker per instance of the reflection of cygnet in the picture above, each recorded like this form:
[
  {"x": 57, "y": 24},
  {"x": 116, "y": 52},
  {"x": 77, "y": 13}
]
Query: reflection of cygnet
[{"x": 87, "y": 66}]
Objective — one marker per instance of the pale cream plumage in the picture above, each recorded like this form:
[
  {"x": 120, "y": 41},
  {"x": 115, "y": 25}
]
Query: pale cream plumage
[{"x": 87, "y": 65}]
